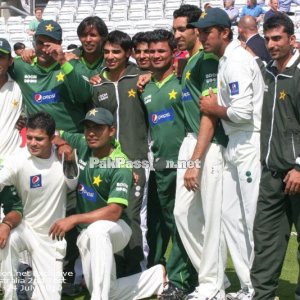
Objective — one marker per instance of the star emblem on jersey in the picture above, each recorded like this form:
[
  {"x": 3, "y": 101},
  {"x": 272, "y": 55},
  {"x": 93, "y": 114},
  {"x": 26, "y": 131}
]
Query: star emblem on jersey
[
  {"x": 188, "y": 75},
  {"x": 60, "y": 76},
  {"x": 282, "y": 95},
  {"x": 15, "y": 103},
  {"x": 131, "y": 93},
  {"x": 172, "y": 95},
  {"x": 49, "y": 27},
  {"x": 97, "y": 180},
  {"x": 203, "y": 15}
]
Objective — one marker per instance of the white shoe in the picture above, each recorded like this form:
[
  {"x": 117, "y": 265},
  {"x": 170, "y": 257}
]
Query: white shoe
[{"x": 242, "y": 294}]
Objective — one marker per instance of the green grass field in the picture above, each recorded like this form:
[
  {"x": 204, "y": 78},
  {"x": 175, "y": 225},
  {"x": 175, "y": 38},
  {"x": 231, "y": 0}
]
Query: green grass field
[{"x": 288, "y": 277}]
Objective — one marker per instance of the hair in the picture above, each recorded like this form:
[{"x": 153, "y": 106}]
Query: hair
[
  {"x": 72, "y": 46},
  {"x": 38, "y": 8},
  {"x": 95, "y": 22},
  {"x": 42, "y": 120},
  {"x": 221, "y": 28},
  {"x": 140, "y": 37},
  {"x": 192, "y": 12},
  {"x": 19, "y": 46},
  {"x": 119, "y": 38},
  {"x": 280, "y": 20},
  {"x": 161, "y": 35}
]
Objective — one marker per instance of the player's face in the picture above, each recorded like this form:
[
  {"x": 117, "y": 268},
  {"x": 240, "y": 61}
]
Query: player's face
[
  {"x": 211, "y": 40},
  {"x": 44, "y": 59},
  {"x": 115, "y": 56},
  {"x": 279, "y": 44},
  {"x": 5, "y": 62},
  {"x": 141, "y": 55},
  {"x": 185, "y": 37},
  {"x": 161, "y": 56},
  {"x": 98, "y": 136},
  {"x": 38, "y": 143},
  {"x": 91, "y": 40}
]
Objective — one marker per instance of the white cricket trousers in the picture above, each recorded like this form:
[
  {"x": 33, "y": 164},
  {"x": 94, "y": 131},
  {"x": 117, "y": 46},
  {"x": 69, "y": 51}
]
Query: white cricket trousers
[
  {"x": 97, "y": 245},
  {"x": 47, "y": 262},
  {"x": 242, "y": 173},
  {"x": 198, "y": 216}
]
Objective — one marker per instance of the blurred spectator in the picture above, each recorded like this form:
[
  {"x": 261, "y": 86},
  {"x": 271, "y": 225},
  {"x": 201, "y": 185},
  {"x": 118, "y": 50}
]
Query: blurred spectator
[
  {"x": 38, "y": 12},
  {"x": 297, "y": 45},
  {"x": 285, "y": 5},
  {"x": 248, "y": 33},
  {"x": 206, "y": 6},
  {"x": 19, "y": 48},
  {"x": 231, "y": 11},
  {"x": 272, "y": 11},
  {"x": 252, "y": 9}
]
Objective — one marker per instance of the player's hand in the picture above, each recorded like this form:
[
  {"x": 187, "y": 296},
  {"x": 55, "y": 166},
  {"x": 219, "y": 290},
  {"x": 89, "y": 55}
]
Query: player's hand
[
  {"x": 191, "y": 179},
  {"x": 27, "y": 55},
  {"x": 20, "y": 123},
  {"x": 135, "y": 178},
  {"x": 70, "y": 55},
  {"x": 4, "y": 234},
  {"x": 96, "y": 79},
  {"x": 67, "y": 150},
  {"x": 60, "y": 227},
  {"x": 208, "y": 103},
  {"x": 142, "y": 81},
  {"x": 56, "y": 52},
  {"x": 292, "y": 182}
]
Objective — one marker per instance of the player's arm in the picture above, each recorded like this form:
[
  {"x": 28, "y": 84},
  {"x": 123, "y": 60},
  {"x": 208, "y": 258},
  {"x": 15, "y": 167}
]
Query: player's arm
[
  {"x": 10, "y": 221},
  {"x": 205, "y": 135},
  {"x": 240, "y": 86}
]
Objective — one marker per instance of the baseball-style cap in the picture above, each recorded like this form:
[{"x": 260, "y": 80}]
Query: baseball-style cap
[
  {"x": 212, "y": 17},
  {"x": 5, "y": 46},
  {"x": 99, "y": 116},
  {"x": 49, "y": 28}
]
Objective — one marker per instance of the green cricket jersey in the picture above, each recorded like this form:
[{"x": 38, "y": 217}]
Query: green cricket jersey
[
  {"x": 200, "y": 74},
  {"x": 99, "y": 185},
  {"x": 165, "y": 115},
  {"x": 47, "y": 89}
]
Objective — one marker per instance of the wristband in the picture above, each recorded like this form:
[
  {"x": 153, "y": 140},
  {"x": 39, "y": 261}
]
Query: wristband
[{"x": 8, "y": 224}]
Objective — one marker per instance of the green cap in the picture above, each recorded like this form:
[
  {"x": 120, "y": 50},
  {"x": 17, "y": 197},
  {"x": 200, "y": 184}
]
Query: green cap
[
  {"x": 49, "y": 28},
  {"x": 5, "y": 46},
  {"x": 212, "y": 17},
  {"x": 99, "y": 116}
]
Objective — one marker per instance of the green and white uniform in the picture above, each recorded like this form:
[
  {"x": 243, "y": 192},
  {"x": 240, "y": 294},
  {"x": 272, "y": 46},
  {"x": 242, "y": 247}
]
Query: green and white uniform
[
  {"x": 198, "y": 214},
  {"x": 165, "y": 115},
  {"x": 47, "y": 89},
  {"x": 99, "y": 186}
]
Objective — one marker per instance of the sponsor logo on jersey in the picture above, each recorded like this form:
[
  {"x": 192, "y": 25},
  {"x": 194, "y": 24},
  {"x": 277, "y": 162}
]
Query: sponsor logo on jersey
[
  {"x": 161, "y": 116},
  {"x": 45, "y": 97},
  {"x": 86, "y": 192},
  {"x": 186, "y": 95},
  {"x": 210, "y": 78},
  {"x": 102, "y": 97},
  {"x": 35, "y": 181},
  {"x": 234, "y": 88},
  {"x": 30, "y": 78}
]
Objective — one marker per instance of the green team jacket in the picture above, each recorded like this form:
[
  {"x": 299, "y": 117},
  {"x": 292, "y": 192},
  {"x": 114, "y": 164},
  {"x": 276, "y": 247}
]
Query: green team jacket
[
  {"x": 200, "y": 74},
  {"x": 280, "y": 127},
  {"x": 165, "y": 116},
  {"x": 122, "y": 99},
  {"x": 98, "y": 183},
  {"x": 48, "y": 90}
]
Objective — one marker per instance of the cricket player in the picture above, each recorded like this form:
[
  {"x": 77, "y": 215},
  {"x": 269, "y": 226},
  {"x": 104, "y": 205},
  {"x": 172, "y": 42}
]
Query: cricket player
[
  {"x": 238, "y": 104},
  {"x": 38, "y": 176},
  {"x": 103, "y": 193}
]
